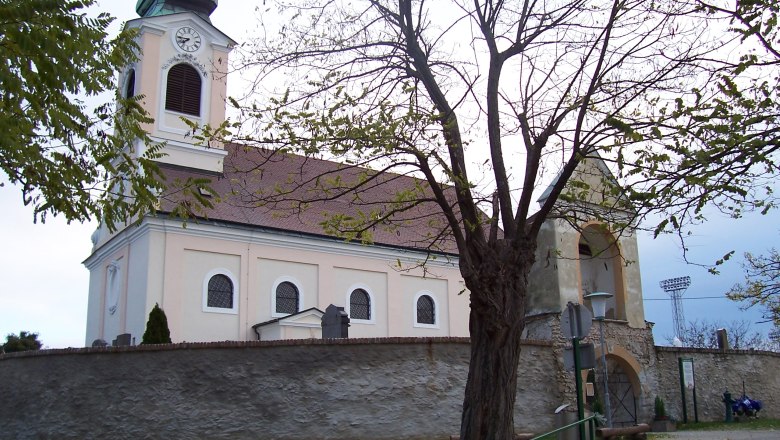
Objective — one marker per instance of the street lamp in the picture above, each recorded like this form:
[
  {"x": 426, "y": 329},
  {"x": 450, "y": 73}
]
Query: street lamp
[{"x": 598, "y": 301}]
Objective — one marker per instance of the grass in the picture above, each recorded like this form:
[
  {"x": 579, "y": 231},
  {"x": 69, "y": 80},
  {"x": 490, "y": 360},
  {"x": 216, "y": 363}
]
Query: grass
[{"x": 743, "y": 424}]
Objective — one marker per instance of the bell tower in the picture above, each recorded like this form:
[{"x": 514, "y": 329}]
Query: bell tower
[{"x": 182, "y": 73}]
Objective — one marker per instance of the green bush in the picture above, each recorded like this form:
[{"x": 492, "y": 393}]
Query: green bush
[
  {"x": 25, "y": 341},
  {"x": 660, "y": 410},
  {"x": 157, "y": 328},
  {"x": 597, "y": 406}
]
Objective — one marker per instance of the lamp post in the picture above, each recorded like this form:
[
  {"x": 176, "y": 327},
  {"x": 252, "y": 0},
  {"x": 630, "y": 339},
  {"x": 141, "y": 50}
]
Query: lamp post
[{"x": 598, "y": 301}]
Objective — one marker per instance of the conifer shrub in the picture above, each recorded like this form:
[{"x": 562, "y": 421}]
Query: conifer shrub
[
  {"x": 660, "y": 409},
  {"x": 157, "y": 327},
  {"x": 597, "y": 407}
]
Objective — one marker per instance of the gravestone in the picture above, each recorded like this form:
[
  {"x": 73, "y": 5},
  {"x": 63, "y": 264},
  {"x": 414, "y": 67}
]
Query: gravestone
[
  {"x": 335, "y": 323},
  {"x": 121, "y": 340}
]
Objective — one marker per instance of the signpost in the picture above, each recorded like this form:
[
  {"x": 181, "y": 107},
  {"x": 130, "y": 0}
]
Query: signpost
[
  {"x": 575, "y": 325},
  {"x": 587, "y": 357},
  {"x": 576, "y": 321},
  {"x": 687, "y": 381}
]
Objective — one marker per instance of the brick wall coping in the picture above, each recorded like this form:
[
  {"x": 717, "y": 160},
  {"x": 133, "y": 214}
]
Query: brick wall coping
[
  {"x": 251, "y": 344},
  {"x": 683, "y": 350}
]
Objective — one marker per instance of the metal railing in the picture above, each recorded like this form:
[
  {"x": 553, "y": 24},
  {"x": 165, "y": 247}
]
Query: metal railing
[{"x": 591, "y": 425}]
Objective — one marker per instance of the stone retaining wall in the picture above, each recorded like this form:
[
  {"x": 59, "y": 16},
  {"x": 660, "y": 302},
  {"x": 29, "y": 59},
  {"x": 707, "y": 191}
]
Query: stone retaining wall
[
  {"x": 397, "y": 388},
  {"x": 716, "y": 371},
  {"x": 308, "y": 389},
  {"x": 624, "y": 342}
]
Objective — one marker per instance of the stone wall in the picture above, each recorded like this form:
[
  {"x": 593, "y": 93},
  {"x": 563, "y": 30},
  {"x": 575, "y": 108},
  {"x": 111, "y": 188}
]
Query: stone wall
[
  {"x": 397, "y": 388},
  {"x": 632, "y": 346},
  {"x": 716, "y": 371},
  {"x": 309, "y": 389}
]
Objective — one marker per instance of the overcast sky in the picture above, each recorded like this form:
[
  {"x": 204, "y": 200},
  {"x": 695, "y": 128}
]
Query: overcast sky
[{"x": 45, "y": 285}]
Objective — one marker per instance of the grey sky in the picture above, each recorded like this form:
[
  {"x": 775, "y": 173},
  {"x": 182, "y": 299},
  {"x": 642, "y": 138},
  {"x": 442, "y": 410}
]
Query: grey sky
[{"x": 45, "y": 288}]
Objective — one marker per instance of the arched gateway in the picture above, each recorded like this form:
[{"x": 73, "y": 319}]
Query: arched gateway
[{"x": 625, "y": 390}]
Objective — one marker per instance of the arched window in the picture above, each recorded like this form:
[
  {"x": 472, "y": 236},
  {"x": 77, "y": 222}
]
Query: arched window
[
  {"x": 601, "y": 268},
  {"x": 130, "y": 84},
  {"x": 220, "y": 293},
  {"x": 426, "y": 312},
  {"x": 287, "y": 298},
  {"x": 182, "y": 93},
  {"x": 360, "y": 305},
  {"x": 585, "y": 250}
]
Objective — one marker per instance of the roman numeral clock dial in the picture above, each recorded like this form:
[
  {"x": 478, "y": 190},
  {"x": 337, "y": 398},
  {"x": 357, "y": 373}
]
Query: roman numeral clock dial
[{"x": 188, "y": 39}]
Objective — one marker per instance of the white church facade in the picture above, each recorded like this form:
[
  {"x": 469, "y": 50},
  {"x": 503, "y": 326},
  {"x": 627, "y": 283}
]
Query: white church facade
[
  {"x": 215, "y": 281},
  {"x": 244, "y": 272}
]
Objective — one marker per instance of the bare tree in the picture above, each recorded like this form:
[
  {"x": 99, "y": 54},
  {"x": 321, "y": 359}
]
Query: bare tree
[
  {"x": 703, "y": 334},
  {"x": 485, "y": 103},
  {"x": 754, "y": 19}
]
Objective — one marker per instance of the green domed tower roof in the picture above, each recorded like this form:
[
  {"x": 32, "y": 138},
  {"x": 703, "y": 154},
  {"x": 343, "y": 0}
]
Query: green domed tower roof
[{"x": 151, "y": 8}]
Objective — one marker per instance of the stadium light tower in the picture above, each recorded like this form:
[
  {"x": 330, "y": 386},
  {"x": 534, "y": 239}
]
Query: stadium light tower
[{"x": 675, "y": 287}]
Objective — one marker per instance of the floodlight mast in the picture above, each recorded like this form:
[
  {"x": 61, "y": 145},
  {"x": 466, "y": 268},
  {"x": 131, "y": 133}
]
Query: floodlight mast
[{"x": 675, "y": 287}]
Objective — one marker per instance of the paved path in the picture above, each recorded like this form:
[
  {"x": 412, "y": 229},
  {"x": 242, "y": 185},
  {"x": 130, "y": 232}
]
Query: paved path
[{"x": 719, "y": 435}]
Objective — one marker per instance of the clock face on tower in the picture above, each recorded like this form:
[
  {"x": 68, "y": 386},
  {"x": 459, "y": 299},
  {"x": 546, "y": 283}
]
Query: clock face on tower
[{"x": 188, "y": 39}]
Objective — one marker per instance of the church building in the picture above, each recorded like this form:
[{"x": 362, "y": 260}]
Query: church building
[
  {"x": 248, "y": 271},
  {"x": 217, "y": 277}
]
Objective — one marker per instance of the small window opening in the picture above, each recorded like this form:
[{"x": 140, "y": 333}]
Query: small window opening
[
  {"x": 220, "y": 292},
  {"x": 425, "y": 310},
  {"x": 287, "y": 298},
  {"x": 360, "y": 305},
  {"x": 130, "y": 85}
]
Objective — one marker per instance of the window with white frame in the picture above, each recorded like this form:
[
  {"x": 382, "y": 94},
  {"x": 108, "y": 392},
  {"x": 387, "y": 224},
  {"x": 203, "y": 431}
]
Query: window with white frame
[
  {"x": 287, "y": 298},
  {"x": 360, "y": 305},
  {"x": 220, "y": 292},
  {"x": 426, "y": 310}
]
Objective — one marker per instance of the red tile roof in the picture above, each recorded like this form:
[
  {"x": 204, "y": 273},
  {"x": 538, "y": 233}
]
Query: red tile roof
[{"x": 267, "y": 189}]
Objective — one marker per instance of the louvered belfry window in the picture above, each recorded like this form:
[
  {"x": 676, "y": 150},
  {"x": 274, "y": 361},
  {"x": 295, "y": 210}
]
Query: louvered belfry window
[{"x": 183, "y": 91}]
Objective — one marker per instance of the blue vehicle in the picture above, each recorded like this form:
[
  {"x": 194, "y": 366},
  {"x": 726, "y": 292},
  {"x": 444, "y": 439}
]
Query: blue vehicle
[{"x": 746, "y": 406}]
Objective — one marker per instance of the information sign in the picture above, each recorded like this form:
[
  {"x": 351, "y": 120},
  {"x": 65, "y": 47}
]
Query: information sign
[{"x": 687, "y": 367}]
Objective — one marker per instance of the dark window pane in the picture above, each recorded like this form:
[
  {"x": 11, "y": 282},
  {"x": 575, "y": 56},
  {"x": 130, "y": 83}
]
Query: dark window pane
[
  {"x": 286, "y": 298},
  {"x": 182, "y": 93},
  {"x": 130, "y": 86},
  {"x": 359, "y": 305},
  {"x": 425, "y": 312},
  {"x": 220, "y": 292}
]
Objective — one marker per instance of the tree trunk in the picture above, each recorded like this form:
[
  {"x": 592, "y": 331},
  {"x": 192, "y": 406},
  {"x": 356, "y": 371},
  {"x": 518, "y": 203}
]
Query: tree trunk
[{"x": 498, "y": 290}]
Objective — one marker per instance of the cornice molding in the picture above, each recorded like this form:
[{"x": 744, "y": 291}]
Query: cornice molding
[
  {"x": 262, "y": 237},
  {"x": 172, "y": 144}
]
